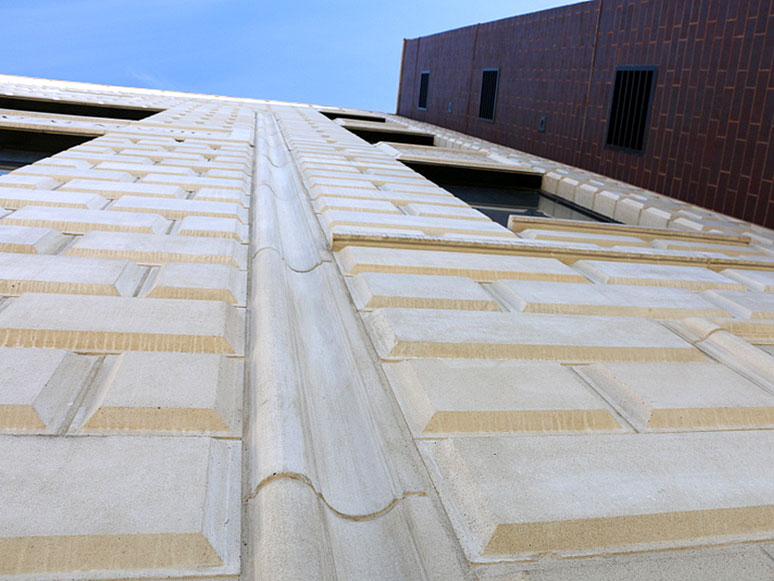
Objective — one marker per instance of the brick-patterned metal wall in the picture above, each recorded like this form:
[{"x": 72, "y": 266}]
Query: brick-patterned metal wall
[{"x": 711, "y": 135}]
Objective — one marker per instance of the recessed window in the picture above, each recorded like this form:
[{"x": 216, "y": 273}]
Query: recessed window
[
  {"x": 630, "y": 108},
  {"x": 424, "y": 80},
  {"x": 19, "y": 148},
  {"x": 353, "y": 116},
  {"x": 85, "y": 109},
  {"x": 486, "y": 107}
]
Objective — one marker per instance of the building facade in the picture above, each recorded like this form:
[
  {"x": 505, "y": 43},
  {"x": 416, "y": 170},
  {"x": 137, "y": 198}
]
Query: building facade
[
  {"x": 245, "y": 339},
  {"x": 705, "y": 116}
]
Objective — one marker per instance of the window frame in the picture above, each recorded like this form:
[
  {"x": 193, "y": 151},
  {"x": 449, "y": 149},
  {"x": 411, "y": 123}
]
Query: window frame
[
  {"x": 495, "y": 70},
  {"x": 422, "y": 76},
  {"x": 616, "y": 108}
]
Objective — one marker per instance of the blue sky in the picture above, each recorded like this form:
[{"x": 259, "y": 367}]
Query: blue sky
[{"x": 342, "y": 53}]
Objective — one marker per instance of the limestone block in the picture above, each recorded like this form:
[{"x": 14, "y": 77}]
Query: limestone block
[
  {"x": 605, "y": 201},
  {"x": 113, "y": 191},
  {"x": 212, "y": 282},
  {"x": 757, "y": 280},
  {"x": 36, "y": 386},
  {"x": 436, "y": 211},
  {"x": 76, "y": 221},
  {"x": 229, "y": 196},
  {"x": 153, "y": 249},
  {"x": 585, "y": 194},
  {"x": 140, "y": 170},
  {"x": 656, "y": 217},
  {"x": 410, "y": 333},
  {"x": 430, "y": 226},
  {"x": 226, "y": 174},
  {"x": 339, "y": 183},
  {"x": 109, "y": 324},
  {"x": 481, "y": 267},
  {"x": 599, "y": 299},
  {"x": 15, "y": 180},
  {"x": 757, "y": 331},
  {"x": 472, "y": 396},
  {"x": 72, "y": 505},
  {"x": 26, "y": 240},
  {"x": 43, "y": 273},
  {"x": 628, "y": 210},
  {"x": 58, "y": 161},
  {"x": 179, "y": 209},
  {"x": 213, "y": 227},
  {"x": 193, "y": 183},
  {"x": 397, "y": 198},
  {"x": 64, "y": 174},
  {"x": 13, "y": 199},
  {"x": 166, "y": 392},
  {"x": 603, "y": 240},
  {"x": 636, "y": 273},
  {"x": 531, "y": 496},
  {"x": 108, "y": 157},
  {"x": 728, "y": 249},
  {"x": 372, "y": 290},
  {"x": 669, "y": 396},
  {"x": 744, "y": 304},
  {"x": 566, "y": 187},
  {"x": 325, "y": 203}
]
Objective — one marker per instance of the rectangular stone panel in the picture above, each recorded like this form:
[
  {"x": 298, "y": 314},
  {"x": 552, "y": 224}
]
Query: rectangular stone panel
[
  {"x": 64, "y": 174},
  {"x": 108, "y": 324},
  {"x": 474, "y": 396},
  {"x": 371, "y": 290},
  {"x": 744, "y": 304},
  {"x": 37, "y": 386},
  {"x": 113, "y": 191},
  {"x": 603, "y": 240},
  {"x": 669, "y": 396},
  {"x": 325, "y": 203},
  {"x": 411, "y": 333},
  {"x": 16, "y": 180},
  {"x": 534, "y": 496},
  {"x": 757, "y": 280},
  {"x": 213, "y": 228},
  {"x": 179, "y": 209},
  {"x": 21, "y": 274},
  {"x": 26, "y": 240},
  {"x": 166, "y": 392},
  {"x": 430, "y": 226},
  {"x": 601, "y": 299},
  {"x": 181, "y": 280},
  {"x": 651, "y": 274},
  {"x": 481, "y": 267},
  {"x": 139, "y": 170},
  {"x": 194, "y": 183},
  {"x": 153, "y": 249},
  {"x": 74, "y": 221},
  {"x": 13, "y": 199},
  {"x": 228, "y": 196},
  {"x": 163, "y": 506},
  {"x": 437, "y": 211}
]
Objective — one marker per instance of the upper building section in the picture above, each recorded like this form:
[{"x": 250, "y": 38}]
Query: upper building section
[{"x": 677, "y": 98}]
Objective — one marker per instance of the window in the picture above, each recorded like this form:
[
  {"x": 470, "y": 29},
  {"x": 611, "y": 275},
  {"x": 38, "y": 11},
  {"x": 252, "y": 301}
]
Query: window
[
  {"x": 85, "y": 109},
  {"x": 630, "y": 108},
  {"x": 424, "y": 79},
  {"x": 19, "y": 147},
  {"x": 486, "y": 107}
]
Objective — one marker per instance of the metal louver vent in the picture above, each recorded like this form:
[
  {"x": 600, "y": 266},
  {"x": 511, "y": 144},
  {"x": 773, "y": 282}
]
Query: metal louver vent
[
  {"x": 424, "y": 79},
  {"x": 486, "y": 107},
  {"x": 630, "y": 109}
]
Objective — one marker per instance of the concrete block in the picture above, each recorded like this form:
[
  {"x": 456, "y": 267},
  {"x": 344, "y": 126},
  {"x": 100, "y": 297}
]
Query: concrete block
[
  {"x": 139, "y": 170},
  {"x": 612, "y": 300},
  {"x": 212, "y": 282},
  {"x": 26, "y": 240},
  {"x": 669, "y": 275},
  {"x": 213, "y": 228},
  {"x": 756, "y": 280},
  {"x": 166, "y": 393},
  {"x": 430, "y": 226},
  {"x": 727, "y": 249},
  {"x": 452, "y": 212},
  {"x": 110, "y": 324},
  {"x": 669, "y": 396},
  {"x": 178, "y": 209},
  {"x": 16, "y": 180},
  {"x": 166, "y": 506},
  {"x": 325, "y": 203},
  {"x": 481, "y": 267},
  {"x": 410, "y": 333},
  {"x": 77, "y": 221},
  {"x": 463, "y": 396},
  {"x": 13, "y": 199},
  {"x": 229, "y": 196},
  {"x": 113, "y": 191},
  {"x": 603, "y": 240},
  {"x": 21, "y": 274},
  {"x": 744, "y": 304},
  {"x": 63, "y": 174},
  {"x": 154, "y": 250},
  {"x": 194, "y": 183},
  {"x": 534, "y": 496},
  {"x": 372, "y": 290}
]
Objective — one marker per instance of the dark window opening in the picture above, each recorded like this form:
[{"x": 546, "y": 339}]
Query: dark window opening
[
  {"x": 424, "y": 80},
  {"x": 375, "y": 136},
  {"x": 88, "y": 110},
  {"x": 20, "y": 148},
  {"x": 486, "y": 106},
  {"x": 499, "y": 194},
  {"x": 630, "y": 108},
  {"x": 355, "y": 116}
]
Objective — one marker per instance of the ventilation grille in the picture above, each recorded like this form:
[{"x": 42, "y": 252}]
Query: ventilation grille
[
  {"x": 630, "y": 109},
  {"x": 486, "y": 107},
  {"x": 424, "y": 79}
]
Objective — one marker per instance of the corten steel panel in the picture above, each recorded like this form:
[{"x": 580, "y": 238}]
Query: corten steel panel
[{"x": 711, "y": 135}]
